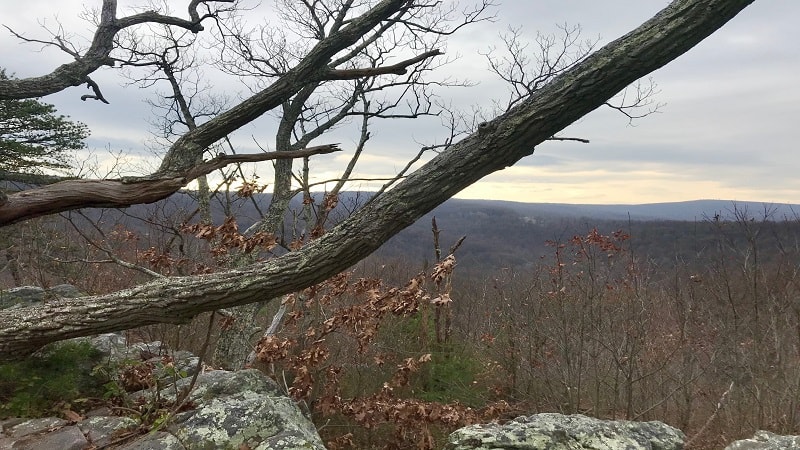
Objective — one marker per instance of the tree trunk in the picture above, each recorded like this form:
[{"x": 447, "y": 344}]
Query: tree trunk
[
  {"x": 498, "y": 144},
  {"x": 233, "y": 345}
]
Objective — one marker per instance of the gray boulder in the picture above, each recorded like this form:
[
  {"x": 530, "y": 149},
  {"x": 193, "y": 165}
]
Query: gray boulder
[
  {"x": 227, "y": 410},
  {"x": 242, "y": 409},
  {"x": 21, "y": 427},
  {"x": 101, "y": 430},
  {"x": 230, "y": 409},
  {"x": 764, "y": 440},
  {"x": 23, "y": 296},
  {"x": 562, "y": 432},
  {"x": 49, "y": 432},
  {"x": 65, "y": 438},
  {"x": 111, "y": 346},
  {"x": 64, "y": 291},
  {"x": 116, "y": 352},
  {"x": 159, "y": 440}
]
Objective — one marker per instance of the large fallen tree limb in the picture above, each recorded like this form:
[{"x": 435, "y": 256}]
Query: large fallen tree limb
[
  {"x": 498, "y": 144},
  {"x": 70, "y": 194}
]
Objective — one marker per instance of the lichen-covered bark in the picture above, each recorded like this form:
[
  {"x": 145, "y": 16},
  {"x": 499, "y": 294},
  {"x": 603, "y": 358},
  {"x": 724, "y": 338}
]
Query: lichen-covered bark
[{"x": 499, "y": 144}]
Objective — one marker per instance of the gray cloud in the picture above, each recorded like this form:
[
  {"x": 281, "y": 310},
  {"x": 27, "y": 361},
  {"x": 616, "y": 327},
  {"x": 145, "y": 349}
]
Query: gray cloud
[{"x": 732, "y": 104}]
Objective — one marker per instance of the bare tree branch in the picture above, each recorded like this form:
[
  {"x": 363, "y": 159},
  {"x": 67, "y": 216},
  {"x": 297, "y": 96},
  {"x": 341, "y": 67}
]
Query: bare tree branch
[
  {"x": 400, "y": 68},
  {"x": 507, "y": 139},
  {"x": 189, "y": 146},
  {"x": 96, "y": 56},
  {"x": 574, "y": 139},
  {"x": 73, "y": 194},
  {"x": 112, "y": 258}
]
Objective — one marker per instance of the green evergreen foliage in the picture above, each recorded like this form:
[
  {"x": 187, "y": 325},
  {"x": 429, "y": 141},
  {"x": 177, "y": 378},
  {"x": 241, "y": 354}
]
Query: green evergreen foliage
[
  {"x": 454, "y": 369},
  {"x": 451, "y": 375},
  {"x": 34, "y": 137},
  {"x": 37, "y": 385}
]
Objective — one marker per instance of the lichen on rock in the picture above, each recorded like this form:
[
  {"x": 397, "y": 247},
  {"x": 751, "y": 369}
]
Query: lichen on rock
[
  {"x": 764, "y": 440},
  {"x": 567, "y": 432}
]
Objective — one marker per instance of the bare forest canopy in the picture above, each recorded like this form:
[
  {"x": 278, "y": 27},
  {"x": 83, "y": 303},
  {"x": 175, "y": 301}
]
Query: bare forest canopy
[
  {"x": 499, "y": 234},
  {"x": 566, "y": 93}
]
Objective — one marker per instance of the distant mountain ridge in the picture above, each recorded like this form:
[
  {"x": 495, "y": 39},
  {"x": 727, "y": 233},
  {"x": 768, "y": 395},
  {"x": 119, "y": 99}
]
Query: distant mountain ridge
[
  {"x": 692, "y": 210},
  {"x": 514, "y": 234},
  {"x": 498, "y": 233}
]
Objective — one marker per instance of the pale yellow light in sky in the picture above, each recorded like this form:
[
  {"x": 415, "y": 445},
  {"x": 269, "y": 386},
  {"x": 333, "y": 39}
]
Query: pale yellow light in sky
[
  {"x": 539, "y": 185},
  {"x": 530, "y": 184}
]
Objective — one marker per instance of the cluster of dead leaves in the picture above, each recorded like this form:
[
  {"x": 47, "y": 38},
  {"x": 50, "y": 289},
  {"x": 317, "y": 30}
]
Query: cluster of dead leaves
[
  {"x": 249, "y": 188},
  {"x": 136, "y": 377},
  {"x": 226, "y": 236},
  {"x": 610, "y": 245},
  {"x": 443, "y": 268},
  {"x": 303, "y": 355},
  {"x": 344, "y": 309},
  {"x": 158, "y": 260},
  {"x": 412, "y": 420}
]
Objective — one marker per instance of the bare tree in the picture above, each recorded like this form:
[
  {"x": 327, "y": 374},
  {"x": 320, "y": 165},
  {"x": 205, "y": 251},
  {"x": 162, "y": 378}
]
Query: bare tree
[
  {"x": 498, "y": 143},
  {"x": 371, "y": 86}
]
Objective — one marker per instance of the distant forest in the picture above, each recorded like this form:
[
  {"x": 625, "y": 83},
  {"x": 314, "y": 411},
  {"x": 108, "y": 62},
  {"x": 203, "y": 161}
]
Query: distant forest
[
  {"x": 509, "y": 235},
  {"x": 610, "y": 311}
]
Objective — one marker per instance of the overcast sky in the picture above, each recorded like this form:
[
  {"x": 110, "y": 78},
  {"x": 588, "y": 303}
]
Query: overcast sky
[{"x": 727, "y": 130}]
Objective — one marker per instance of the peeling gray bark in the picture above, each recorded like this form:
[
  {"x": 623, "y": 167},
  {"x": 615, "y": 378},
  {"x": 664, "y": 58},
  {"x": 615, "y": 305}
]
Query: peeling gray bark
[{"x": 506, "y": 140}]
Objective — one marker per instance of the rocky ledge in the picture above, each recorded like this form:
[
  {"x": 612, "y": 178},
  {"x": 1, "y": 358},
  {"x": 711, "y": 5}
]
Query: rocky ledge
[{"x": 228, "y": 410}]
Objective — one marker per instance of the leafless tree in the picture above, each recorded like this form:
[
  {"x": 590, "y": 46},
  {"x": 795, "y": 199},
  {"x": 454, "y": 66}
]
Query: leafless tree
[
  {"x": 497, "y": 143},
  {"x": 371, "y": 86}
]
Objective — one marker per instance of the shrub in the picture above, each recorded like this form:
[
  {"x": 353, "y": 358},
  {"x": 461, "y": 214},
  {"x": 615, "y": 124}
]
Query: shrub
[{"x": 54, "y": 380}]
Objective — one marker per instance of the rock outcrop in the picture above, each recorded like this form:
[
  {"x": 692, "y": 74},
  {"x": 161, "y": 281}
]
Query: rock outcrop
[
  {"x": 242, "y": 409},
  {"x": 227, "y": 410},
  {"x": 562, "y": 432},
  {"x": 764, "y": 440},
  {"x": 29, "y": 295}
]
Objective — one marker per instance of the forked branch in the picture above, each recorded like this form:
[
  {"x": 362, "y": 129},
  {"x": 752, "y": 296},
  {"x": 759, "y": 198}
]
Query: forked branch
[
  {"x": 70, "y": 194},
  {"x": 97, "y": 55}
]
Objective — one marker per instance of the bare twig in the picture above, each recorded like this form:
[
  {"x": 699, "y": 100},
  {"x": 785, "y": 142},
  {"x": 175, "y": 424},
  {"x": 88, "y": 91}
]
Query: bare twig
[{"x": 711, "y": 418}]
